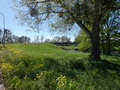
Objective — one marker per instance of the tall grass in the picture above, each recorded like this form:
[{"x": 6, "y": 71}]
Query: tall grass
[{"x": 47, "y": 67}]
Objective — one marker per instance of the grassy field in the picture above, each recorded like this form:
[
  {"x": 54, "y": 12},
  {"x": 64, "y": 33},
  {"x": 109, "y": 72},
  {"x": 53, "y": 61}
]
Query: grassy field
[{"x": 48, "y": 67}]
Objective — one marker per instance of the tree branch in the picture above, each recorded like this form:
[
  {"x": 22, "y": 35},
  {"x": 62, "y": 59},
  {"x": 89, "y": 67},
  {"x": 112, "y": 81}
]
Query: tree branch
[
  {"x": 83, "y": 27},
  {"x": 79, "y": 22}
]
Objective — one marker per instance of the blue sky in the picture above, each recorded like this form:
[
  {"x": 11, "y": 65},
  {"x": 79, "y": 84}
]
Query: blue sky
[{"x": 12, "y": 24}]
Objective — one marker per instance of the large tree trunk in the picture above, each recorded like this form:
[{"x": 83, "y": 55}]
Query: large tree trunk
[
  {"x": 95, "y": 52},
  {"x": 94, "y": 37}
]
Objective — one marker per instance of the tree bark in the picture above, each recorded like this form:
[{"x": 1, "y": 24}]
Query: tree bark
[
  {"x": 95, "y": 52},
  {"x": 94, "y": 37}
]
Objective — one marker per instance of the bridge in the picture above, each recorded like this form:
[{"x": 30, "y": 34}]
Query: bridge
[{"x": 65, "y": 44}]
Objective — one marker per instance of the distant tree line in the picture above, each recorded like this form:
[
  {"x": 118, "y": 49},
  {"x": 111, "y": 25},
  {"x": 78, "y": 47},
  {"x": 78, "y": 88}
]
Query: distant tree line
[
  {"x": 57, "y": 39},
  {"x": 38, "y": 39},
  {"x": 10, "y": 38}
]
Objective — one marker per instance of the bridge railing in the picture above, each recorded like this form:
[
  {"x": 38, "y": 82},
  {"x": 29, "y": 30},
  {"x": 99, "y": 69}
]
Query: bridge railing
[{"x": 65, "y": 44}]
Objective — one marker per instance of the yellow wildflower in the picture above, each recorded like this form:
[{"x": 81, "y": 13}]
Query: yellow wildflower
[{"x": 61, "y": 81}]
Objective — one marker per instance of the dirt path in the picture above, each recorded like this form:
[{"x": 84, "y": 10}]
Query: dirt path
[{"x": 1, "y": 82}]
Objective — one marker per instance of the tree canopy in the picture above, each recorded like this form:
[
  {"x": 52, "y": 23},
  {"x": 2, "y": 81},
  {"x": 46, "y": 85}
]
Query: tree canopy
[{"x": 70, "y": 11}]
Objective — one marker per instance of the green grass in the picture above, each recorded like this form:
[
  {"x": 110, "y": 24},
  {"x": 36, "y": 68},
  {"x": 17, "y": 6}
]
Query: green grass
[
  {"x": 48, "y": 67},
  {"x": 47, "y": 50},
  {"x": 69, "y": 47}
]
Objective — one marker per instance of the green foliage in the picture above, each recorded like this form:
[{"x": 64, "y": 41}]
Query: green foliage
[
  {"x": 24, "y": 70},
  {"x": 63, "y": 39},
  {"x": 84, "y": 41},
  {"x": 109, "y": 32},
  {"x": 84, "y": 46}
]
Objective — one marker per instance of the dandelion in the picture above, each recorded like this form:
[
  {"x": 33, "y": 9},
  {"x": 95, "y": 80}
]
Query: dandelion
[
  {"x": 41, "y": 73},
  {"x": 61, "y": 81},
  {"x": 37, "y": 76},
  {"x": 38, "y": 66},
  {"x": 6, "y": 67}
]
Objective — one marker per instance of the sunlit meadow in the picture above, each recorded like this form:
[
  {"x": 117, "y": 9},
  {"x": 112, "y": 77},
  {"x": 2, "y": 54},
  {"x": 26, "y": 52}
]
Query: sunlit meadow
[{"x": 48, "y": 67}]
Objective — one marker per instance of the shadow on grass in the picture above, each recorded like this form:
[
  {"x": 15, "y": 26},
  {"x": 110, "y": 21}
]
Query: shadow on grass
[
  {"x": 105, "y": 65},
  {"x": 68, "y": 68},
  {"x": 59, "y": 67}
]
